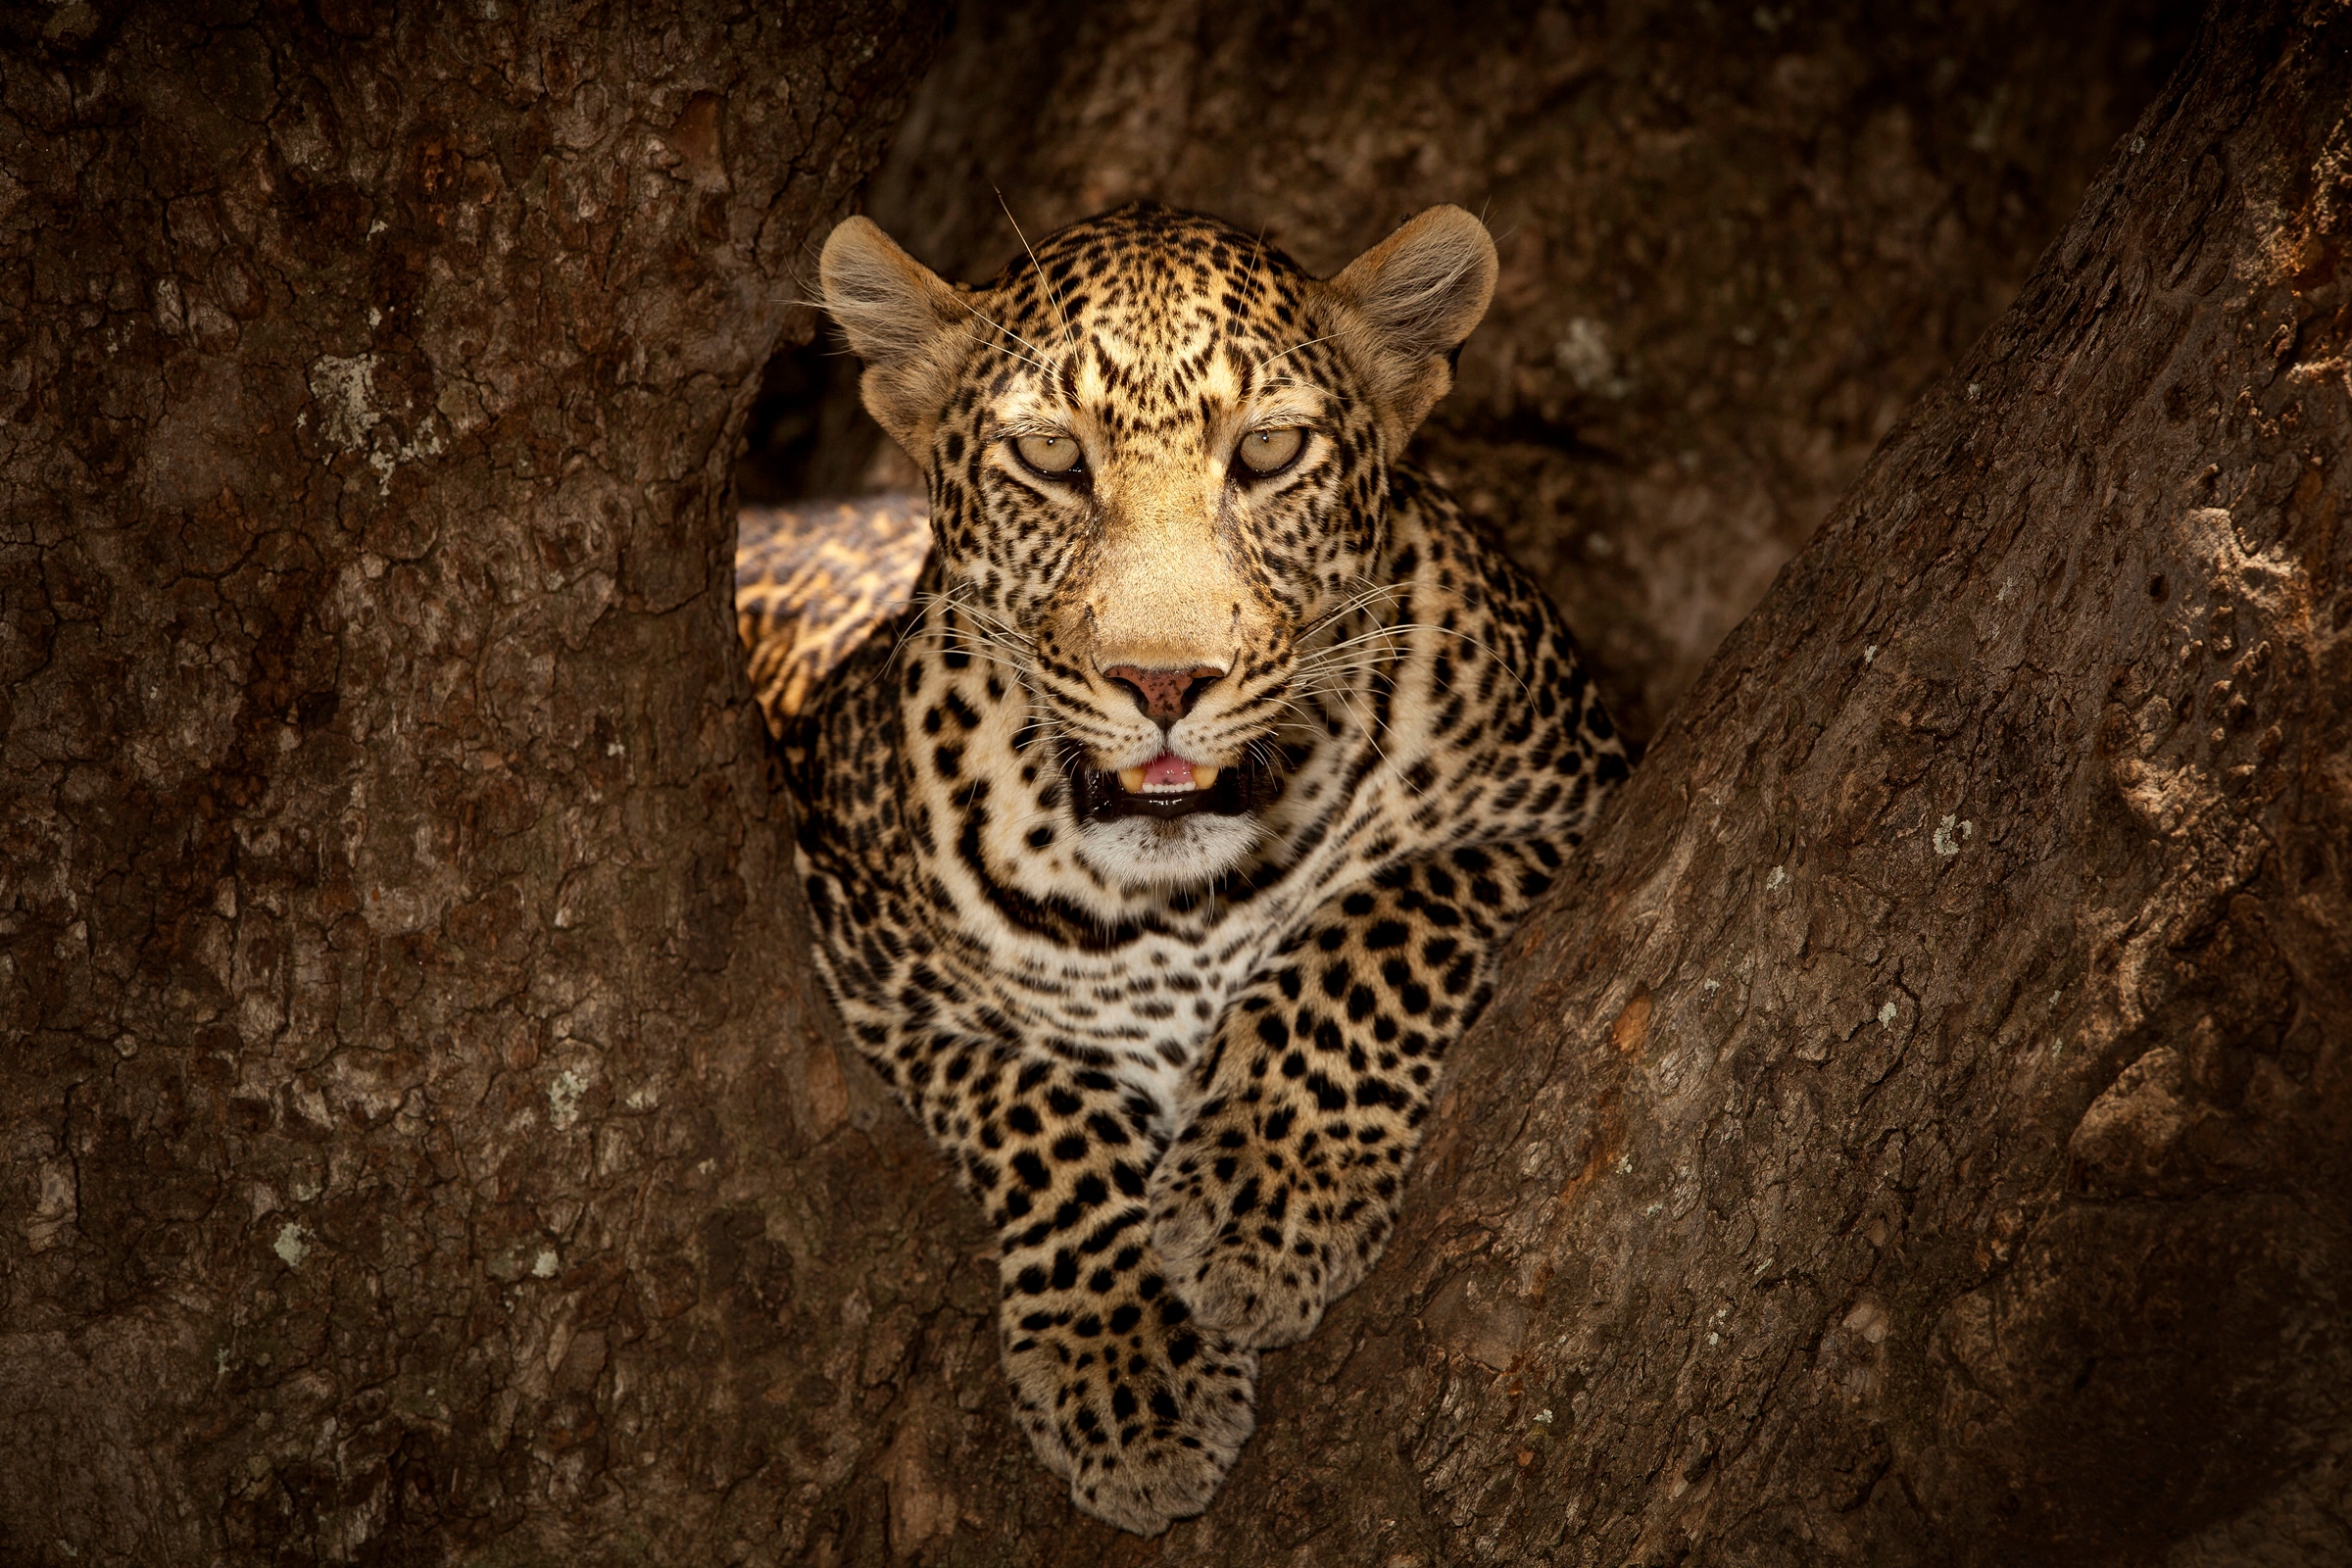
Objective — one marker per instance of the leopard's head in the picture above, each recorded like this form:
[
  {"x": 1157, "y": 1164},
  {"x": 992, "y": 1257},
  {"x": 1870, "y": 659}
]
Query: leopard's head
[{"x": 1157, "y": 456}]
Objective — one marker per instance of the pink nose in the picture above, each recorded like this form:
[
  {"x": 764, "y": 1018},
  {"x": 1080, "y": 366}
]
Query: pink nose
[{"x": 1164, "y": 695}]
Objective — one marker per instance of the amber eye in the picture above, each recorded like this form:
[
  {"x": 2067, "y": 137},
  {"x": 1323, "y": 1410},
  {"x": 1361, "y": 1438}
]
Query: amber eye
[
  {"x": 1265, "y": 452},
  {"x": 1055, "y": 456}
]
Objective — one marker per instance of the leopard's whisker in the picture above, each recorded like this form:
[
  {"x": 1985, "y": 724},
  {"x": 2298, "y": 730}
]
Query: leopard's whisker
[
  {"x": 1069, "y": 338},
  {"x": 1293, "y": 349},
  {"x": 1036, "y": 355},
  {"x": 913, "y": 621}
]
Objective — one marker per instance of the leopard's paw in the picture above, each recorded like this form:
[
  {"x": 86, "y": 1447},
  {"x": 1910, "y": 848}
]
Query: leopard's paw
[
  {"x": 1143, "y": 1410},
  {"x": 1255, "y": 1252}
]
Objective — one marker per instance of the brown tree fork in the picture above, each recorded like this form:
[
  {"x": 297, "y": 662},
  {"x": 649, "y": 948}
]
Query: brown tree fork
[{"x": 1916, "y": 1135}]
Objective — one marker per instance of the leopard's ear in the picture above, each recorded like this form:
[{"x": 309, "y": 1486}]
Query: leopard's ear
[
  {"x": 896, "y": 314},
  {"x": 1411, "y": 300}
]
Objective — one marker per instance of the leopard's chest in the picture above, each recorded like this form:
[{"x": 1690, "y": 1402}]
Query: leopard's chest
[{"x": 1143, "y": 1011}]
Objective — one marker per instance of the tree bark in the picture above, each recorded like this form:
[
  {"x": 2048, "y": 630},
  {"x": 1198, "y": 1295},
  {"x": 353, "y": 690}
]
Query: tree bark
[
  {"x": 1916, "y": 1135},
  {"x": 396, "y": 1151}
]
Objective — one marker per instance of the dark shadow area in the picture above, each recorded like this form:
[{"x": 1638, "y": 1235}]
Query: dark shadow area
[{"x": 807, "y": 437}]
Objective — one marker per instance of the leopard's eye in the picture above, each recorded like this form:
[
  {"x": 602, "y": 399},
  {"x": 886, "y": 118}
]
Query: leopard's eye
[
  {"x": 1268, "y": 452},
  {"x": 1053, "y": 456}
]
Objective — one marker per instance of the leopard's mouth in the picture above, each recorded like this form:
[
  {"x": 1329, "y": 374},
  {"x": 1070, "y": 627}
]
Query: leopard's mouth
[{"x": 1167, "y": 788}]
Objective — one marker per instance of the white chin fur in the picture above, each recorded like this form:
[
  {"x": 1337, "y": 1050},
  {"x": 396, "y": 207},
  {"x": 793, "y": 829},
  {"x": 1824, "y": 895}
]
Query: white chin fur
[{"x": 1140, "y": 852}]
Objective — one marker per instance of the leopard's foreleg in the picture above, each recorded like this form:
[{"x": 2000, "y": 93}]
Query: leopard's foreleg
[
  {"x": 1279, "y": 1195},
  {"x": 1140, "y": 1407}
]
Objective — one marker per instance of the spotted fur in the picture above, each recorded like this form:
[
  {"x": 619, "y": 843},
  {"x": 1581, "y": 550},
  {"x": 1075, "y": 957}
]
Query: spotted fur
[
  {"x": 1182, "y": 1064},
  {"x": 812, "y": 582}
]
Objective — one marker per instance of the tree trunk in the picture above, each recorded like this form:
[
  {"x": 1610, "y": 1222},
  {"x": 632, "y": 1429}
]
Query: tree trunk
[
  {"x": 393, "y": 1147},
  {"x": 1916, "y": 1135}
]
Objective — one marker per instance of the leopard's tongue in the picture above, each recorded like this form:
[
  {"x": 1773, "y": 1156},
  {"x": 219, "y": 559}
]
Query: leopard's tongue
[{"x": 1167, "y": 771}]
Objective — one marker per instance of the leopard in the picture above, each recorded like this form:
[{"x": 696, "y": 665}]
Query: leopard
[
  {"x": 812, "y": 579},
  {"x": 1158, "y": 853}
]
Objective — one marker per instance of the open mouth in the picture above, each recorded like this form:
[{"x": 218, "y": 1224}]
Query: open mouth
[{"x": 1166, "y": 787}]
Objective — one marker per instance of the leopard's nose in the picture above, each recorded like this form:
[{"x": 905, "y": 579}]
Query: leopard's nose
[{"x": 1164, "y": 695}]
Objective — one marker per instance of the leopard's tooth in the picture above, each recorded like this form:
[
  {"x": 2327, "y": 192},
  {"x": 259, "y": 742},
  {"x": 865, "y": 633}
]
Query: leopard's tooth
[
  {"x": 1204, "y": 775},
  {"x": 1131, "y": 779}
]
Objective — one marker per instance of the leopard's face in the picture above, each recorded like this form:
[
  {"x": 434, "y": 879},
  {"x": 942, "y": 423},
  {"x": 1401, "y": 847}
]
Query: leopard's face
[
  {"x": 1162, "y": 487},
  {"x": 1157, "y": 453}
]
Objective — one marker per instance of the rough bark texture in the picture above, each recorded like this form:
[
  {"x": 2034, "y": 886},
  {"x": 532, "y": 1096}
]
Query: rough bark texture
[
  {"x": 390, "y": 1128},
  {"x": 1737, "y": 241},
  {"x": 1919, "y": 1136}
]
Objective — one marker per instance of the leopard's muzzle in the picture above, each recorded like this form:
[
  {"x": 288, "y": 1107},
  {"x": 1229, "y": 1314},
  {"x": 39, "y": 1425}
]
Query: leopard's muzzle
[{"x": 1097, "y": 794}]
